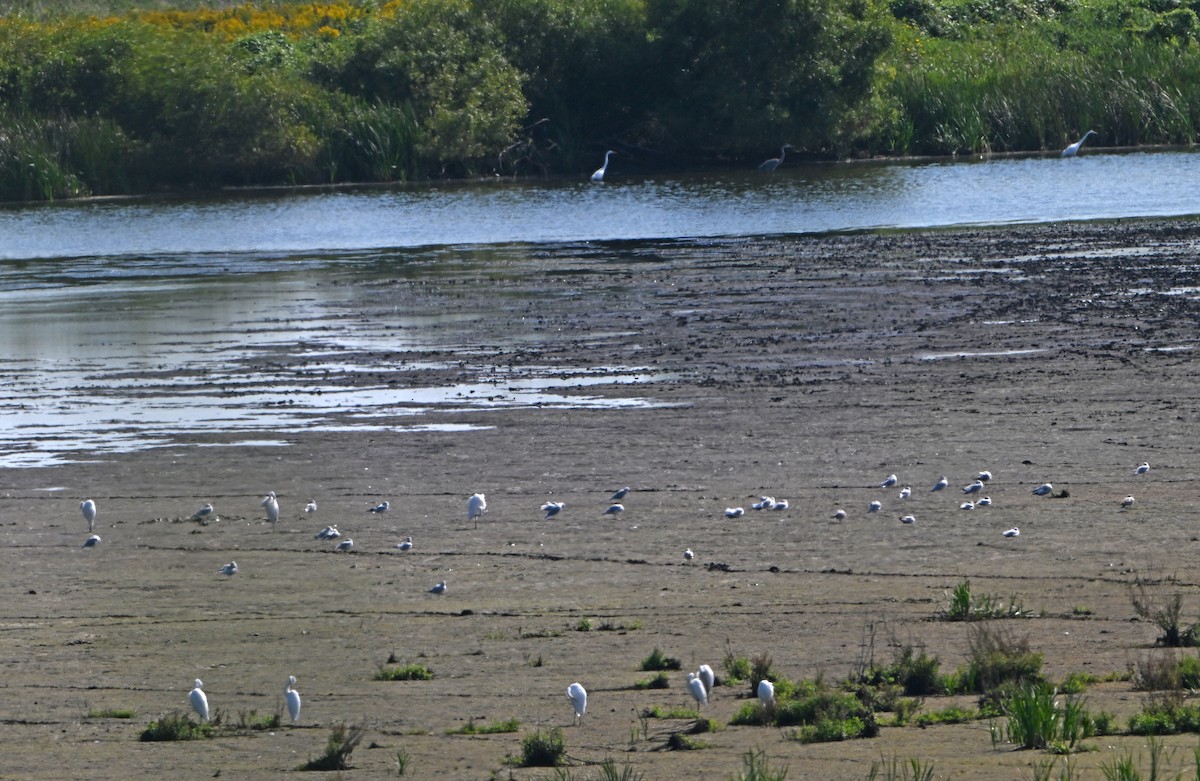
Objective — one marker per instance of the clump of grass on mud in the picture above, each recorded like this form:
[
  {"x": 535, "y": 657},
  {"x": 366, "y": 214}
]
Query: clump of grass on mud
[
  {"x": 408, "y": 672},
  {"x": 1154, "y": 601},
  {"x": 175, "y": 727},
  {"x": 657, "y": 660},
  {"x": 496, "y": 727},
  {"x": 543, "y": 749},
  {"x": 756, "y": 767},
  {"x": 338, "y": 748},
  {"x": 658, "y": 681},
  {"x": 112, "y": 713},
  {"x": 967, "y": 606}
]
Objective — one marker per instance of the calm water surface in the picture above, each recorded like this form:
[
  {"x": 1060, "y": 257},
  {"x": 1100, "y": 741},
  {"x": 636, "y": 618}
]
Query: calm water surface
[{"x": 101, "y": 302}]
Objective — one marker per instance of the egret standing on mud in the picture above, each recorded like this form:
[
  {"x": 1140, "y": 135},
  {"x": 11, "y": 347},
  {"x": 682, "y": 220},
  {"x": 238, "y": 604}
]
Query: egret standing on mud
[
  {"x": 578, "y": 696},
  {"x": 696, "y": 689},
  {"x": 198, "y": 700},
  {"x": 476, "y": 506},
  {"x": 293, "y": 698},
  {"x": 708, "y": 678},
  {"x": 272, "y": 504},
  {"x": 598, "y": 176},
  {"x": 766, "y": 693},
  {"x": 88, "y": 508}
]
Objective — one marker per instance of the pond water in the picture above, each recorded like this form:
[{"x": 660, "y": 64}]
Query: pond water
[{"x": 110, "y": 310}]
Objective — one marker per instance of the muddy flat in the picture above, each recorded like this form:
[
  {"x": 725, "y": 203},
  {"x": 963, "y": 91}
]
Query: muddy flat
[{"x": 807, "y": 369}]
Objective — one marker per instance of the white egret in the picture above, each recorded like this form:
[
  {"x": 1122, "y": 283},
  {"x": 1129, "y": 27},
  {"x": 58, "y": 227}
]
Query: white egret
[
  {"x": 345, "y": 546},
  {"x": 1043, "y": 489},
  {"x": 875, "y": 507},
  {"x": 782, "y": 504},
  {"x": 552, "y": 509},
  {"x": 889, "y": 481},
  {"x": 615, "y": 509},
  {"x": 476, "y": 506},
  {"x": 688, "y": 555},
  {"x": 272, "y": 504},
  {"x": 92, "y": 541},
  {"x": 293, "y": 698},
  {"x": 768, "y": 166},
  {"x": 764, "y": 503},
  {"x": 88, "y": 508},
  {"x": 203, "y": 512},
  {"x": 198, "y": 700},
  {"x": 578, "y": 697},
  {"x": 382, "y": 507},
  {"x": 984, "y": 476},
  {"x": 908, "y": 519},
  {"x": 1073, "y": 149},
  {"x": 734, "y": 512},
  {"x": 984, "y": 502},
  {"x": 967, "y": 506},
  {"x": 619, "y": 494},
  {"x": 766, "y": 693},
  {"x": 440, "y": 588},
  {"x": 598, "y": 176},
  {"x": 1013, "y": 532},
  {"x": 406, "y": 545},
  {"x": 696, "y": 689},
  {"x": 311, "y": 507},
  {"x": 1143, "y": 468},
  {"x": 229, "y": 569},
  {"x": 973, "y": 488},
  {"x": 707, "y": 677},
  {"x": 1127, "y": 502},
  {"x": 905, "y": 492}
]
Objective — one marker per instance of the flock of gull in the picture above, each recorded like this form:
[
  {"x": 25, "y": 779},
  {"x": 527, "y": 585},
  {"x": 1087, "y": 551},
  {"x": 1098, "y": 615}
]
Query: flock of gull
[{"x": 701, "y": 682}]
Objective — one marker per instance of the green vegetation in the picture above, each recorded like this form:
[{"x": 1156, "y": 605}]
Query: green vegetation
[
  {"x": 657, "y": 660},
  {"x": 338, "y": 747},
  {"x": 408, "y": 672},
  {"x": 756, "y": 767},
  {"x": 175, "y": 727},
  {"x": 966, "y": 606},
  {"x": 543, "y": 749},
  {"x": 1037, "y": 718},
  {"x": 125, "y": 96},
  {"x": 656, "y": 681},
  {"x": 892, "y": 769},
  {"x": 496, "y": 727},
  {"x": 1154, "y": 601},
  {"x": 112, "y": 713}
]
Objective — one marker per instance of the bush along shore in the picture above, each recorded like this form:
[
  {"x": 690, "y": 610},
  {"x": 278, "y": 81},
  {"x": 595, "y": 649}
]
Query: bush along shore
[{"x": 96, "y": 100}]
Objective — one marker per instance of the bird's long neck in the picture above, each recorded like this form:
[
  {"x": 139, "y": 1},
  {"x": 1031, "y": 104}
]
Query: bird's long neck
[{"x": 782, "y": 153}]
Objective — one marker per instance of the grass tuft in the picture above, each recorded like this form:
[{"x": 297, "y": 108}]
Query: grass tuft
[
  {"x": 338, "y": 748},
  {"x": 408, "y": 672}
]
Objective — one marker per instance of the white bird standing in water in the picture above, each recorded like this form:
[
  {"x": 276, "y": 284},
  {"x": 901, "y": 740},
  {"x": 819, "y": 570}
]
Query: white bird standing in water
[
  {"x": 88, "y": 508},
  {"x": 696, "y": 689},
  {"x": 598, "y": 176},
  {"x": 198, "y": 700},
  {"x": 734, "y": 512},
  {"x": 203, "y": 512},
  {"x": 766, "y": 693},
  {"x": 229, "y": 569},
  {"x": 272, "y": 505},
  {"x": 476, "y": 506},
  {"x": 293, "y": 698},
  {"x": 578, "y": 697},
  {"x": 707, "y": 677},
  {"x": 552, "y": 509},
  {"x": 1143, "y": 468},
  {"x": 1073, "y": 149},
  {"x": 406, "y": 545},
  {"x": 92, "y": 541},
  {"x": 769, "y": 166}
]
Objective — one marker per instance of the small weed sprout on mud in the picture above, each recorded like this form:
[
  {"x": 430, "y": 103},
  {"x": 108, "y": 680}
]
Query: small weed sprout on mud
[
  {"x": 543, "y": 749},
  {"x": 894, "y": 770},
  {"x": 175, "y": 727},
  {"x": 408, "y": 672},
  {"x": 965, "y": 606},
  {"x": 584, "y": 625},
  {"x": 609, "y": 772},
  {"x": 402, "y": 760},
  {"x": 737, "y": 668},
  {"x": 755, "y": 767},
  {"x": 1043, "y": 770},
  {"x": 250, "y": 721},
  {"x": 1153, "y": 601},
  {"x": 495, "y": 728},
  {"x": 1126, "y": 768},
  {"x": 657, "y": 660},
  {"x": 338, "y": 748}
]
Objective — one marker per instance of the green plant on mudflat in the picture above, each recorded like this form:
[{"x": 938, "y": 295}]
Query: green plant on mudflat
[
  {"x": 996, "y": 657},
  {"x": 175, "y": 727},
  {"x": 1155, "y": 601},
  {"x": 495, "y": 727},
  {"x": 657, "y": 660},
  {"x": 757, "y": 767},
  {"x": 893, "y": 769},
  {"x": 1039, "y": 718},
  {"x": 657, "y": 681},
  {"x": 408, "y": 672},
  {"x": 338, "y": 747},
  {"x": 543, "y": 749},
  {"x": 964, "y": 605}
]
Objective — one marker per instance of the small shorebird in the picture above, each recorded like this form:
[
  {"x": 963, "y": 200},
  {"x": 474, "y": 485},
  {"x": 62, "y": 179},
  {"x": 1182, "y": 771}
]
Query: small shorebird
[
  {"x": 229, "y": 569},
  {"x": 552, "y": 509},
  {"x": 889, "y": 481},
  {"x": 875, "y": 507},
  {"x": 940, "y": 484},
  {"x": 734, "y": 512},
  {"x": 1013, "y": 532},
  {"x": 1127, "y": 502},
  {"x": 1143, "y": 468},
  {"x": 406, "y": 545},
  {"x": 1043, "y": 489},
  {"x": 382, "y": 507}
]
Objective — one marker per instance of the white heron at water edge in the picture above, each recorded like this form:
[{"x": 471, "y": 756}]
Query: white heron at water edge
[
  {"x": 696, "y": 689},
  {"x": 476, "y": 506},
  {"x": 598, "y": 176},
  {"x": 293, "y": 698},
  {"x": 766, "y": 693},
  {"x": 769, "y": 166},
  {"x": 707, "y": 677},
  {"x": 552, "y": 509},
  {"x": 1073, "y": 149},
  {"x": 198, "y": 700},
  {"x": 229, "y": 569},
  {"x": 406, "y": 545},
  {"x": 92, "y": 541},
  {"x": 382, "y": 507},
  {"x": 88, "y": 508},
  {"x": 578, "y": 697},
  {"x": 440, "y": 588},
  {"x": 1043, "y": 489},
  {"x": 271, "y": 503}
]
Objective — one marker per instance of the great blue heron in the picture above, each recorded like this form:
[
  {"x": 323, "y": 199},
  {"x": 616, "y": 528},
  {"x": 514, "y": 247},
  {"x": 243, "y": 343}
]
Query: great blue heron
[{"x": 770, "y": 165}]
